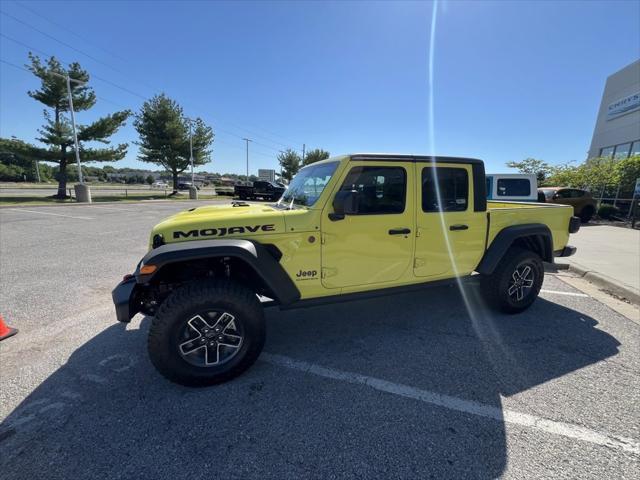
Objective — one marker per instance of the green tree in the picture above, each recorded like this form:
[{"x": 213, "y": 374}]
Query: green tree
[
  {"x": 149, "y": 179},
  {"x": 164, "y": 137},
  {"x": 56, "y": 134},
  {"x": 627, "y": 171},
  {"x": 315, "y": 156},
  {"x": 532, "y": 165},
  {"x": 16, "y": 162},
  {"x": 289, "y": 163}
]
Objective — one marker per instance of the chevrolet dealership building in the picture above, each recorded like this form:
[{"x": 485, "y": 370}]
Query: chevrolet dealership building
[{"x": 617, "y": 132}]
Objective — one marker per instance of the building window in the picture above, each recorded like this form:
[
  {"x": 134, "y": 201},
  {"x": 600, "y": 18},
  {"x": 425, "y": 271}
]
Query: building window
[
  {"x": 607, "y": 151},
  {"x": 635, "y": 148},
  {"x": 622, "y": 151}
]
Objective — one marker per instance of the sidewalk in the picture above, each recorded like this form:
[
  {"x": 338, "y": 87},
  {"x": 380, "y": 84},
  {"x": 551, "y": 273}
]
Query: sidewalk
[{"x": 609, "y": 257}]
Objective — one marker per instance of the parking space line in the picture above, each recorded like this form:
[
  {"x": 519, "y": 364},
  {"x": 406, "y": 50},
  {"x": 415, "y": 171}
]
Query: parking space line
[
  {"x": 558, "y": 292},
  {"x": 460, "y": 405},
  {"x": 117, "y": 209},
  {"x": 49, "y": 213}
]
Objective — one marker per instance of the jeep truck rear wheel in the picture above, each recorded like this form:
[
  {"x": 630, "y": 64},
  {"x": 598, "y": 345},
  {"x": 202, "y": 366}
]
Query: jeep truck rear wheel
[
  {"x": 207, "y": 333},
  {"x": 515, "y": 283}
]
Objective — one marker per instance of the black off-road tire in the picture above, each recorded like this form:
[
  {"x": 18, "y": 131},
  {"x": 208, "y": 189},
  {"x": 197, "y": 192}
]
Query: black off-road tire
[
  {"x": 587, "y": 214},
  {"x": 186, "y": 302},
  {"x": 496, "y": 286}
]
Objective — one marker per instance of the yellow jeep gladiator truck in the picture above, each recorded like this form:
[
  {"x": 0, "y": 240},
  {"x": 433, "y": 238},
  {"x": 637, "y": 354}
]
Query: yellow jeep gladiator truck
[{"x": 347, "y": 227}]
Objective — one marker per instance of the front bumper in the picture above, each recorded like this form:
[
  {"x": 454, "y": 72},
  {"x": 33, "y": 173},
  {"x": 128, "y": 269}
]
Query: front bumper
[
  {"x": 565, "y": 252},
  {"x": 124, "y": 296}
]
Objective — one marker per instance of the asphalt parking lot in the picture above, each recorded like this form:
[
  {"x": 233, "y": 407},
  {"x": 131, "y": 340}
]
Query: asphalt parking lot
[{"x": 421, "y": 385}]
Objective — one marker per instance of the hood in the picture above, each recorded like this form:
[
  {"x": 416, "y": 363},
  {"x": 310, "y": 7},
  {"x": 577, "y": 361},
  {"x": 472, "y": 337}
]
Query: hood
[{"x": 220, "y": 221}]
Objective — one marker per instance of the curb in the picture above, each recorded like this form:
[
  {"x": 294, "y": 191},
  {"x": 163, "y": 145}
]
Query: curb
[{"x": 605, "y": 282}]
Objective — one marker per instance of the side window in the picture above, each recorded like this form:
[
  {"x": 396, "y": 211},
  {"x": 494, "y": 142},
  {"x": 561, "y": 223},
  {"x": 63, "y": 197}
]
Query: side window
[
  {"x": 382, "y": 190},
  {"x": 514, "y": 187},
  {"x": 577, "y": 193},
  {"x": 564, "y": 193},
  {"x": 453, "y": 184}
]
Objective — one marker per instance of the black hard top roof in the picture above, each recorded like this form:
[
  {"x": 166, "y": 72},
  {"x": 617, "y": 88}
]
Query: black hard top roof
[{"x": 401, "y": 157}]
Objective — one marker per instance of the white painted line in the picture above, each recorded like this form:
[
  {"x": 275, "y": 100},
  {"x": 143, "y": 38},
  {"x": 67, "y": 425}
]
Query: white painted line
[
  {"x": 49, "y": 213},
  {"x": 117, "y": 209},
  {"x": 558, "y": 292},
  {"x": 460, "y": 405}
]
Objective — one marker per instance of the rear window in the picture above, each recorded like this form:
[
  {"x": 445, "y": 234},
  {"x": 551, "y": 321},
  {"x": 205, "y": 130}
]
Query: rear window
[{"x": 514, "y": 187}]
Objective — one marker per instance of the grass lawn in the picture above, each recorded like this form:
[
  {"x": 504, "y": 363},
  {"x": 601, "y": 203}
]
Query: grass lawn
[{"x": 131, "y": 198}]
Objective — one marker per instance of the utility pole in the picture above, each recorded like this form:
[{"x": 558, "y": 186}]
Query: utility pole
[
  {"x": 247, "y": 140},
  {"x": 38, "y": 171},
  {"x": 303, "y": 149}
]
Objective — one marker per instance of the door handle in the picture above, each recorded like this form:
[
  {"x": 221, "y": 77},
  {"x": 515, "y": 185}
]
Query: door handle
[
  {"x": 400, "y": 231},
  {"x": 459, "y": 227}
]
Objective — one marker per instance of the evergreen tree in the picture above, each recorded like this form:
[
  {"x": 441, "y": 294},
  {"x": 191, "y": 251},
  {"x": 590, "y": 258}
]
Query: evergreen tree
[
  {"x": 164, "y": 137},
  {"x": 57, "y": 133}
]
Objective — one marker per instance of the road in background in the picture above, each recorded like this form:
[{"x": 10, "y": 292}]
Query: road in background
[
  {"x": 406, "y": 386},
  {"x": 96, "y": 191}
]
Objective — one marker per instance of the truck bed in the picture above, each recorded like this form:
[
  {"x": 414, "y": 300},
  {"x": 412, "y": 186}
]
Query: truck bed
[{"x": 504, "y": 214}]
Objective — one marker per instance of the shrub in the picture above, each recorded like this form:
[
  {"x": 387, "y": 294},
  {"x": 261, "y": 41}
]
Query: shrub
[{"x": 607, "y": 211}]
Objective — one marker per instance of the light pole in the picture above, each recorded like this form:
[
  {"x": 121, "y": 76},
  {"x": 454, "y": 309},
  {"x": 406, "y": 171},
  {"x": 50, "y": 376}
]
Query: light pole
[
  {"x": 193, "y": 190},
  {"x": 73, "y": 125},
  {"x": 191, "y": 153},
  {"x": 83, "y": 194},
  {"x": 247, "y": 140}
]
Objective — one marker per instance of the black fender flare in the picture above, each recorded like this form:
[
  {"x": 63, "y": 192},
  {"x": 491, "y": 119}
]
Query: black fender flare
[
  {"x": 539, "y": 232},
  {"x": 255, "y": 255}
]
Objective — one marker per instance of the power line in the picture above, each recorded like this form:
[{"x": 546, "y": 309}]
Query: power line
[
  {"x": 125, "y": 89},
  {"x": 29, "y": 71},
  {"x": 60, "y": 41},
  {"x": 42, "y": 52},
  {"x": 120, "y": 71},
  {"x": 217, "y": 140},
  {"x": 68, "y": 30}
]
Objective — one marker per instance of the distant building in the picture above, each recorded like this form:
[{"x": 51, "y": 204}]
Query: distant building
[
  {"x": 617, "y": 131},
  {"x": 267, "y": 175}
]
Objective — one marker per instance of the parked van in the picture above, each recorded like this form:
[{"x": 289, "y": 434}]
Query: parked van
[{"x": 512, "y": 186}]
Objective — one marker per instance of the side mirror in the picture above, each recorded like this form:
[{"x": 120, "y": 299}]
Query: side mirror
[
  {"x": 555, "y": 197},
  {"x": 344, "y": 203}
]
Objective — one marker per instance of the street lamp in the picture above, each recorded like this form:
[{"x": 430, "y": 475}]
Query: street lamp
[
  {"x": 83, "y": 194},
  {"x": 193, "y": 191}
]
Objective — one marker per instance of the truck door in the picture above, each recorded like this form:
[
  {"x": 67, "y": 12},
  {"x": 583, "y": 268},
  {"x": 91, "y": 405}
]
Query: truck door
[
  {"x": 451, "y": 242},
  {"x": 375, "y": 245}
]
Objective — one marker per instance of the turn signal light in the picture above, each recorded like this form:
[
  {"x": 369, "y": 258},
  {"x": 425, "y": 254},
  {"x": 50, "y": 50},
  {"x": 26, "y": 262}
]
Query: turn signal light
[{"x": 147, "y": 269}]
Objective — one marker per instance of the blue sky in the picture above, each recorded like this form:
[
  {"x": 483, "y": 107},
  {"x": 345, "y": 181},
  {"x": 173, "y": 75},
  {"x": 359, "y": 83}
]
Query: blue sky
[{"x": 511, "y": 79}]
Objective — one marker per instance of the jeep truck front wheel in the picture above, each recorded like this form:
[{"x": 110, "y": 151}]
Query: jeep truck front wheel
[
  {"x": 208, "y": 333},
  {"x": 515, "y": 283}
]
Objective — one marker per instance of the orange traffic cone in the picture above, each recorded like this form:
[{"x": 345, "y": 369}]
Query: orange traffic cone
[{"x": 6, "y": 332}]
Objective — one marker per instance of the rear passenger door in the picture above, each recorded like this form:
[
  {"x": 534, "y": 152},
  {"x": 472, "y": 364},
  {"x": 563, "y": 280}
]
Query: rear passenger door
[{"x": 450, "y": 234}]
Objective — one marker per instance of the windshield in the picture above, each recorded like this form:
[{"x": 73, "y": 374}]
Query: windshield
[{"x": 307, "y": 186}]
